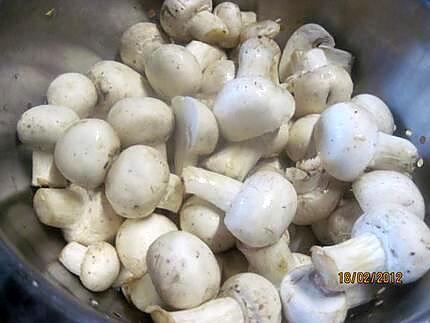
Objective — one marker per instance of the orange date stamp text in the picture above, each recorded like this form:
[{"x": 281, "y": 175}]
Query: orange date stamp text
[{"x": 360, "y": 277}]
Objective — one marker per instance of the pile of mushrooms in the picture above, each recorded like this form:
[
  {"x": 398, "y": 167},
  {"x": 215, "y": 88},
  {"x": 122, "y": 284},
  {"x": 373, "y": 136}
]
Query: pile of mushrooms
[{"x": 213, "y": 177}]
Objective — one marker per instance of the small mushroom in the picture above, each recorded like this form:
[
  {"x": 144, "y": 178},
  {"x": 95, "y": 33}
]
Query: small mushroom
[
  {"x": 248, "y": 107},
  {"x": 341, "y": 221},
  {"x": 75, "y": 91},
  {"x": 238, "y": 158},
  {"x": 207, "y": 27},
  {"x": 172, "y": 199},
  {"x": 265, "y": 28},
  {"x": 300, "y": 144},
  {"x": 206, "y": 221},
  {"x": 96, "y": 265},
  {"x": 385, "y": 238},
  {"x": 302, "y": 238},
  {"x": 232, "y": 262},
  {"x": 259, "y": 57},
  {"x": 257, "y": 297},
  {"x": 378, "y": 109},
  {"x": 183, "y": 269},
  {"x": 173, "y": 70},
  {"x": 230, "y": 14},
  {"x": 196, "y": 131},
  {"x": 225, "y": 309},
  {"x": 205, "y": 54},
  {"x": 141, "y": 121},
  {"x": 348, "y": 141},
  {"x": 137, "y": 181},
  {"x": 84, "y": 216},
  {"x": 85, "y": 151},
  {"x": 383, "y": 186},
  {"x": 115, "y": 81},
  {"x": 138, "y": 42},
  {"x": 175, "y": 16},
  {"x": 305, "y": 300},
  {"x": 272, "y": 262},
  {"x": 303, "y": 39},
  {"x": 40, "y": 128},
  {"x": 134, "y": 238}
]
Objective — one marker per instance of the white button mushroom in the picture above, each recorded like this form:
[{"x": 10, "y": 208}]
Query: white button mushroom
[
  {"x": 196, "y": 131},
  {"x": 40, "y": 127},
  {"x": 183, "y": 269},
  {"x": 341, "y": 221},
  {"x": 238, "y": 158},
  {"x": 265, "y": 28},
  {"x": 272, "y": 262},
  {"x": 249, "y": 107},
  {"x": 230, "y": 14},
  {"x": 173, "y": 70},
  {"x": 115, "y": 81},
  {"x": 84, "y": 216},
  {"x": 97, "y": 265},
  {"x": 385, "y": 238},
  {"x": 141, "y": 121},
  {"x": 303, "y": 39},
  {"x": 137, "y": 181},
  {"x": 85, "y": 151},
  {"x": 259, "y": 57},
  {"x": 172, "y": 199},
  {"x": 207, "y": 27},
  {"x": 225, "y": 310},
  {"x": 378, "y": 109},
  {"x": 134, "y": 238},
  {"x": 257, "y": 212},
  {"x": 257, "y": 297},
  {"x": 232, "y": 262},
  {"x": 206, "y": 221},
  {"x": 348, "y": 142},
  {"x": 300, "y": 144},
  {"x": 379, "y": 187},
  {"x": 138, "y": 42},
  {"x": 75, "y": 91},
  {"x": 305, "y": 300}
]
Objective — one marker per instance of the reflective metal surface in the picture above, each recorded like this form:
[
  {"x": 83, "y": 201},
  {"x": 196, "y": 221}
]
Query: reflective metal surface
[{"x": 390, "y": 38}]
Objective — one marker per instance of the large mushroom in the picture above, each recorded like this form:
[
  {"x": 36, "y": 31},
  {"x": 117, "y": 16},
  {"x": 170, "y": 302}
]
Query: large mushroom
[{"x": 348, "y": 141}]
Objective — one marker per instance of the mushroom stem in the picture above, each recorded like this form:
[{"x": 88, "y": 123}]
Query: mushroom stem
[
  {"x": 226, "y": 310},
  {"x": 363, "y": 253},
  {"x": 215, "y": 188},
  {"x": 394, "y": 153},
  {"x": 72, "y": 257},
  {"x": 172, "y": 199},
  {"x": 207, "y": 27},
  {"x": 45, "y": 173},
  {"x": 272, "y": 262}
]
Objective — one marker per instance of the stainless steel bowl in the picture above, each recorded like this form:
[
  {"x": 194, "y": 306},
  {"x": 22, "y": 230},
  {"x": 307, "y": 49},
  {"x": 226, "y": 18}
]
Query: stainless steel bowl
[{"x": 390, "y": 38}]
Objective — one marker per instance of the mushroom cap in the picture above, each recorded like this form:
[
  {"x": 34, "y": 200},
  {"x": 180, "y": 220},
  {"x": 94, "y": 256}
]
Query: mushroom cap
[
  {"x": 341, "y": 221},
  {"x": 115, "y": 81},
  {"x": 345, "y": 138},
  {"x": 230, "y": 14},
  {"x": 145, "y": 121},
  {"x": 172, "y": 70},
  {"x": 316, "y": 90},
  {"x": 183, "y": 269},
  {"x": 134, "y": 238},
  {"x": 137, "y": 181},
  {"x": 302, "y": 62},
  {"x": 262, "y": 210},
  {"x": 248, "y": 107},
  {"x": 42, "y": 126},
  {"x": 100, "y": 267},
  {"x": 143, "y": 293},
  {"x": 175, "y": 15},
  {"x": 378, "y": 109},
  {"x": 300, "y": 143},
  {"x": 303, "y": 39},
  {"x": 384, "y": 186},
  {"x": 304, "y": 300},
  {"x": 137, "y": 43},
  {"x": 302, "y": 238},
  {"x": 85, "y": 151},
  {"x": 257, "y": 297},
  {"x": 216, "y": 75},
  {"x": 404, "y": 237},
  {"x": 206, "y": 221},
  {"x": 75, "y": 91}
]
